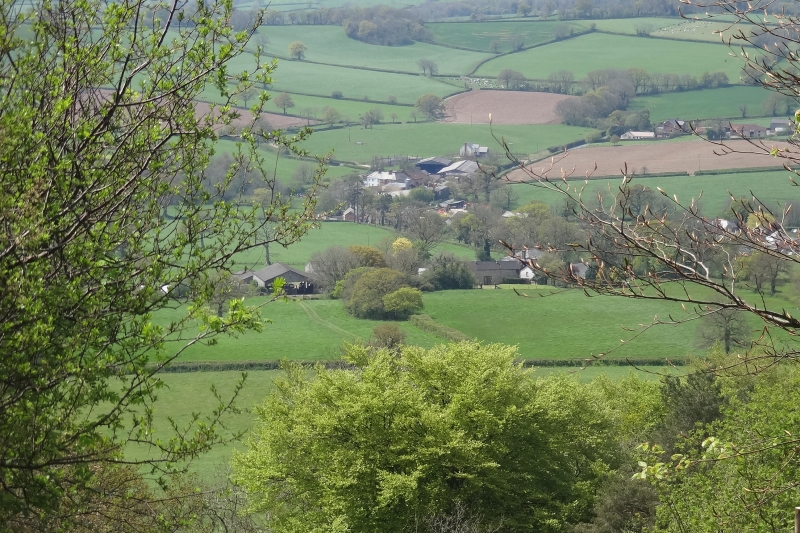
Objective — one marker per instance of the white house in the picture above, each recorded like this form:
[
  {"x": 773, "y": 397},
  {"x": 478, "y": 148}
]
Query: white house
[
  {"x": 473, "y": 150},
  {"x": 632, "y": 135},
  {"x": 378, "y": 179}
]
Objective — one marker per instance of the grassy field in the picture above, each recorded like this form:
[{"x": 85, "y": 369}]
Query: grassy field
[
  {"x": 479, "y": 35},
  {"x": 322, "y": 80},
  {"x": 671, "y": 28},
  {"x": 333, "y": 234},
  {"x": 430, "y": 139},
  {"x": 348, "y": 109},
  {"x": 708, "y": 103},
  {"x": 599, "y": 51},
  {"x": 770, "y": 187},
  {"x": 329, "y": 44}
]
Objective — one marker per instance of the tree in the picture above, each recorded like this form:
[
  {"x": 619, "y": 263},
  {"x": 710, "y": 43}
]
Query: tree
[
  {"x": 99, "y": 134},
  {"x": 387, "y": 336},
  {"x": 409, "y": 436},
  {"x": 331, "y": 115},
  {"x": 446, "y": 272},
  {"x": 727, "y": 326},
  {"x": 510, "y": 78},
  {"x": 743, "y": 110},
  {"x": 283, "y": 101},
  {"x": 430, "y": 105},
  {"x": 332, "y": 265},
  {"x": 523, "y": 9},
  {"x": 402, "y": 303},
  {"x": 366, "y": 299},
  {"x": 428, "y": 229},
  {"x": 494, "y": 46},
  {"x": 297, "y": 50},
  {"x": 428, "y": 66},
  {"x": 368, "y": 256}
]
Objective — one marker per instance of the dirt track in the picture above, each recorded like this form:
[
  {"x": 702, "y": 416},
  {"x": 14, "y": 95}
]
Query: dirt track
[
  {"x": 689, "y": 156},
  {"x": 506, "y": 107}
]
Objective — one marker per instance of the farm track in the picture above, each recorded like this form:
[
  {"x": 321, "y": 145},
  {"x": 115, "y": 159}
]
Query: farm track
[{"x": 318, "y": 319}]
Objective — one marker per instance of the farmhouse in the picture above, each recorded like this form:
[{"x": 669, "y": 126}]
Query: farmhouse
[
  {"x": 378, "y": 179},
  {"x": 447, "y": 205},
  {"x": 459, "y": 169},
  {"x": 473, "y": 150},
  {"x": 494, "y": 272},
  {"x": 296, "y": 282},
  {"x": 433, "y": 165},
  {"x": 671, "y": 127},
  {"x": 748, "y": 131},
  {"x": 413, "y": 177},
  {"x": 632, "y": 135}
]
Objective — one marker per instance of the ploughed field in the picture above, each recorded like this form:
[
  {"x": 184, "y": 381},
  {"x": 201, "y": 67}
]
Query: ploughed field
[
  {"x": 505, "y": 107},
  {"x": 653, "y": 157}
]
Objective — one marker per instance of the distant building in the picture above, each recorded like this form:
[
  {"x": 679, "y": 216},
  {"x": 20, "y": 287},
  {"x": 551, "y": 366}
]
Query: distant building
[
  {"x": 634, "y": 135},
  {"x": 433, "y": 165},
  {"x": 447, "y": 205},
  {"x": 494, "y": 272},
  {"x": 671, "y": 127},
  {"x": 473, "y": 150},
  {"x": 296, "y": 282},
  {"x": 459, "y": 169},
  {"x": 777, "y": 125},
  {"x": 349, "y": 214},
  {"x": 379, "y": 179},
  {"x": 414, "y": 177},
  {"x": 748, "y": 131}
]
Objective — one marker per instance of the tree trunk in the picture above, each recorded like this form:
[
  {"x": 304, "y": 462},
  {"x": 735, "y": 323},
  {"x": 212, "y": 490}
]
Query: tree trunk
[{"x": 266, "y": 249}]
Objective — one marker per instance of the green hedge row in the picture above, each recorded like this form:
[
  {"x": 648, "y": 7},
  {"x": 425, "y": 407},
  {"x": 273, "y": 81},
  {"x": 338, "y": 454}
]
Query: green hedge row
[
  {"x": 426, "y": 323},
  {"x": 736, "y": 171},
  {"x": 242, "y": 366},
  {"x": 639, "y": 362}
]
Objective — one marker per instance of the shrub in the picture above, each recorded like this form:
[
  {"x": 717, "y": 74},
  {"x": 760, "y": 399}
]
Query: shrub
[
  {"x": 402, "y": 303},
  {"x": 366, "y": 298},
  {"x": 368, "y": 256},
  {"x": 426, "y": 323},
  {"x": 387, "y": 336},
  {"x": 447, "y": 273},
  {"x": 337, "y": 95}
]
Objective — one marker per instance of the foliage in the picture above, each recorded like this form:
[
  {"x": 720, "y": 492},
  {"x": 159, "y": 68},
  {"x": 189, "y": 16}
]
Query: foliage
[
  {"x": 387, "y": 336},
  {"x": 402, "y": 303},
  {"x": 368, "y": 256},
  {"x": 510, "y": 78},
  {"x": 283, "y": 101},
  {"x": 365, "y": 300},
  {"x": 445, "y": 272},
  {"x": 100, "y": 142},
  {"x": 426, "y": 323},
  {"x": 430, "y": 105},
  {"x": 401, "y": 244},
  {"x": 385, "y": 26},
  {"x": 458, "y": 423},
  {"x": 332, "y": 265},
  {"x": 297, "y": 50}
]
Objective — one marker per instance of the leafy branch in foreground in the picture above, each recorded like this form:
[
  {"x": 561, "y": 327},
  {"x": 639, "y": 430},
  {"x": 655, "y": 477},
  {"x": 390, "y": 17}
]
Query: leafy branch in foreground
[{"x": 106, "y": 220}]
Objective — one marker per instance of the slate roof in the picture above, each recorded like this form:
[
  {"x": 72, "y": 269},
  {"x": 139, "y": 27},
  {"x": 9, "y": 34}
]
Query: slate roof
[{"x": 275, "y": 270}]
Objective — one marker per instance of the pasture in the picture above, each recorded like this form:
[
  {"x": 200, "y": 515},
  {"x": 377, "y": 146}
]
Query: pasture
[
  {"x": 667, "y": 27},
  {"x": 480, "y": 35},
  {"x": 708, "y": 103},
  {"x": 770, "y": 187},
  {"x": 429, "y": 139},
  {"x": 348, "y": 109},
  {"x": 330, "y": 45},
  {"x": 598, "y": 51},
  {"x": 322, "y": 80}
]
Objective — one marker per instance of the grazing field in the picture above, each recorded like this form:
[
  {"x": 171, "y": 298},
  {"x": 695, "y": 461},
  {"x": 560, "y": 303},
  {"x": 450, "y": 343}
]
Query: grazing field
[
  {"x": 708, "y": 103},
  {"x": 654, "y": 156},
  {"x": 431, "y": 139},
  {"x": 329, "y": 44},
  {"x": 322, "y": 80},
  {"x": 506, "y": 107},
  {"x": 670, "y": 28},
  {"x": 598, "y": 51},
  {"x": 348, "y": 109},
  {"x": 480, "y": 35},
  {"x": 565, "y": 325},
  {"x": 299, "y": 330},
  {"x": 770, "y": 187},
  {"x": 332, "y": 234}
]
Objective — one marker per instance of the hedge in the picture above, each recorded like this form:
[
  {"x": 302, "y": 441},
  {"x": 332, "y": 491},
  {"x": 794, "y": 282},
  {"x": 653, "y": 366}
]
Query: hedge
[
  {"x": 736, "y": 170},
  {"x": 426, "y": 323}
]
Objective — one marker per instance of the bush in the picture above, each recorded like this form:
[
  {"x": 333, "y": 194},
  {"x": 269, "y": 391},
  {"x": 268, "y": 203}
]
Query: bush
[
  {"x": 593, "y": 136},
  {"x": 426, "y": 323},
  {"x": 337, "y": 95},
  {"x": 387, "y": 336},
  {"x": 368, "y": 256},
  {"x": 402, "y": 303},
  {"x": 366, "y": 298},
  {"x": 448, "y": 273}
]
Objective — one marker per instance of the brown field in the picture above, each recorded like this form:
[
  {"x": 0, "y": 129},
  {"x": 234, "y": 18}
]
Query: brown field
[
  {"x": 275, "y": 120},
  {"x": 689, "y": 156},
  {"x": 506, "y": 107}
]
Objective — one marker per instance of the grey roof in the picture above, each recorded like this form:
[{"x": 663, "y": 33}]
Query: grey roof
[
  {"x": 486, "y": 266},
  {"x": 276, "y": 270},
  {"x": 441, "y": 160}
]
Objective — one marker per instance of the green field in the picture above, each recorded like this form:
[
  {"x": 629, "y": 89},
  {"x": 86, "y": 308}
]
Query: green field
[
  {"x": 348, "y": 109},
  {"x": 770, "y": 187},
  {"x": 322, "y": 80},
  {"x": 479, "y": 35},
  {"x": 670, "y": 28},
  {"x": 329, "y": 44},
  {"x": 429, "y": 139},
  {"x": 598, "y": 51},
  {"x": 708, "y": 103}
]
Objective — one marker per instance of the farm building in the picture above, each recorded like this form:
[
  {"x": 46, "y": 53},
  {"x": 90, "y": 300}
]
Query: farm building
[
  {"x": 349, "y": 214},
  {"x": 578, "y": 270},
  {"x": 748, "y": 131},
  {"x": 633, "y": 135},
  {"x": 433, "y": 165},
  {"x": 673, "y": 126},
  {"x": 413, "y": 177},
  {"x": 777, "y": 125},
  {"x": 473, "y": 150},
  {"x": 447, "y": 205},
  {"x": 459, "y": 169},
  {"x": 296, "y": 282},
  {"x": 378, "y": 179},
  {"x": 494, "y": 272}
]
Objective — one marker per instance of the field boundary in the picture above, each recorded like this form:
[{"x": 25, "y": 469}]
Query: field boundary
[
  {"x": 428, "y": 324},
  {"x": 336, "y": 364}
]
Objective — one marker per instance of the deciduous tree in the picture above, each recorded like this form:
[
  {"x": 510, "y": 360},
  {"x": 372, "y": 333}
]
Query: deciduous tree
[{"x": 297, "y": 50}]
